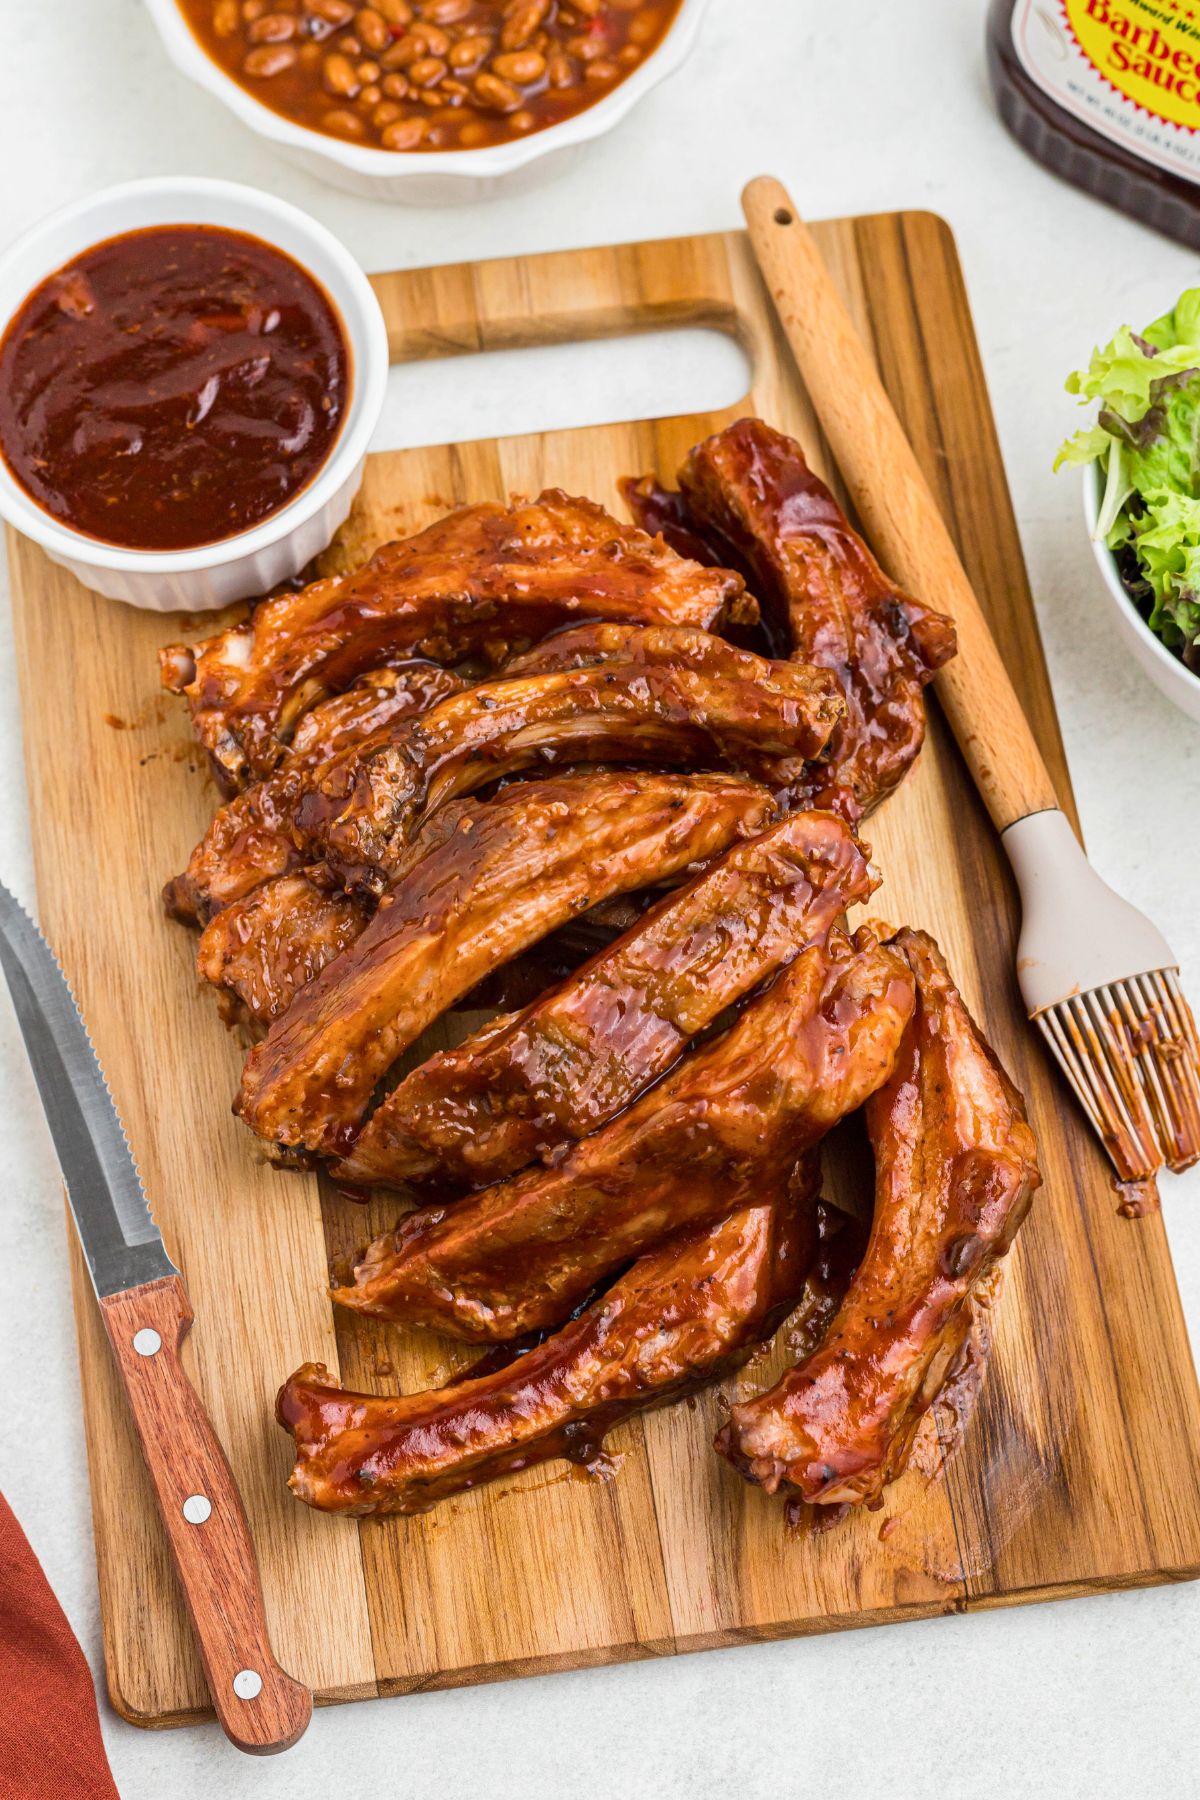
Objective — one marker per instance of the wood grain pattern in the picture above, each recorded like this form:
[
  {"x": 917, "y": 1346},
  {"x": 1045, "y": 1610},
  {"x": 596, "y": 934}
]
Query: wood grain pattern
[
  {"x": 894, "y": 502},
  {"x": 210, "y": 1547},
  {"x": 1079, "y": 1472}
]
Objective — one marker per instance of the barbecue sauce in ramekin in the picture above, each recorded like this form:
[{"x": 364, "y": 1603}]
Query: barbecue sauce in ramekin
[{"x": 172, "y": 387}]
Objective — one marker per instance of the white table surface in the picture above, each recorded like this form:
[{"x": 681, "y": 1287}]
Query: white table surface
[{"x": 859, "y": 108}]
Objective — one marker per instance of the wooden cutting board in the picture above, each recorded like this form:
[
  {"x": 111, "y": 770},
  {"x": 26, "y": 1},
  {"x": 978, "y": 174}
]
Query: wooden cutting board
[{"x": 1079, "y": 1470}]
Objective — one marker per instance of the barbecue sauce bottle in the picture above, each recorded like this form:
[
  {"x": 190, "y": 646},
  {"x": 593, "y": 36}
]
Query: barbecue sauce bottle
[{"x": 1106, "y": 93}]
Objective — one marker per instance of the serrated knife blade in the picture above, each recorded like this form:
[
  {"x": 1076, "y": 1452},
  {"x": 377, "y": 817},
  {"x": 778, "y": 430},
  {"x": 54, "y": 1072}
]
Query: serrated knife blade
[
  {"x": 146, "y": 1314},
  {"x": 121, "y": 1243}
]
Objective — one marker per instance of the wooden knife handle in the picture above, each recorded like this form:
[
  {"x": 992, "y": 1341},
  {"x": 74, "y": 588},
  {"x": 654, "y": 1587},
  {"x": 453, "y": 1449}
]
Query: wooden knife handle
[
  {"x": 260, "y": 1707},
  {"x": 892, "y": 497}
]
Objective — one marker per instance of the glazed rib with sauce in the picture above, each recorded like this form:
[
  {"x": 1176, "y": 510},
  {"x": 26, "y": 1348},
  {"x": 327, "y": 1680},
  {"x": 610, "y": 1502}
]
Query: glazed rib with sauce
[
  {"x": 722, "y": 1128},
  {"x": 252, "y": 837},
  {"x": 574, "y": 647},
  {"x": 681, "y": 1317},
  {"x": 751, "y": 487},
  {"x": 663, "y": 512},
  {"x": 484, "y": 581},
  {"x": 546, "y": 964},
  {"x": 256, "y": 836},
  {"x": 369, "y": 702},
  {"x": 677, "y": 696},
  {"x": 480, "y": 884},
  {"x": 523, "y": 1087},
  {"x": 956, "y": 1168},
  {"x": 259, "y": 951}
]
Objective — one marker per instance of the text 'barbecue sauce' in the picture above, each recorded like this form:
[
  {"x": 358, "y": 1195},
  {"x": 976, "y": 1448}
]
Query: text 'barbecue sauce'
[
  {"x": 172, "y": 387},
  {"x": 1106, "y": 93}
]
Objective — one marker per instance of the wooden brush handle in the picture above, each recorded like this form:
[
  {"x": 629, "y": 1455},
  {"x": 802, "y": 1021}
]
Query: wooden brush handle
[
  {"x": 892, "y": 497},
  {"x": 261, "y": 1709}
]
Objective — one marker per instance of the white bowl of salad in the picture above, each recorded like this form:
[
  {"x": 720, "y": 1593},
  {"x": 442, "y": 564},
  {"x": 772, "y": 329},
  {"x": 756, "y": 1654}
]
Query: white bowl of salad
[{"x": 1141, "y": 492}]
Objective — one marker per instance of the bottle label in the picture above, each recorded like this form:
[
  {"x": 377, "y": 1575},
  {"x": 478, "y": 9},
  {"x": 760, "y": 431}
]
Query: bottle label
[{"x": 1130, "y": 69}]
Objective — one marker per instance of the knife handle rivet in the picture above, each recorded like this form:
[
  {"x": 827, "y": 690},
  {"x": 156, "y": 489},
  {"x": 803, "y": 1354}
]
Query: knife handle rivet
[
  {"x": 147, "y": 1341},
  {"x": 197, "y": 1508},
  {"x": 247, "y": 1684}
]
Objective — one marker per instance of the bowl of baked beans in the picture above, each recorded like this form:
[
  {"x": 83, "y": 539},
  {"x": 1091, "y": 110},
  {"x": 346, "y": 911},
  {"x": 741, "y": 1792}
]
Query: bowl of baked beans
[{"x": 428, "y": 100}]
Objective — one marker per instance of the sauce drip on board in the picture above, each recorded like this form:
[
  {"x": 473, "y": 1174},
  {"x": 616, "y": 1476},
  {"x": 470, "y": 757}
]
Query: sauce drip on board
[{"x": 172, "y": 387}]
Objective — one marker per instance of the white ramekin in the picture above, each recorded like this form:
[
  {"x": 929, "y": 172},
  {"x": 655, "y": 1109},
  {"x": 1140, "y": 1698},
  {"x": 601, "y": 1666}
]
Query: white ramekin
[
  {"x": 1170, "y": 676},
  {"x": 427, "y": 178},
  {"x": 252, "y": 561}
]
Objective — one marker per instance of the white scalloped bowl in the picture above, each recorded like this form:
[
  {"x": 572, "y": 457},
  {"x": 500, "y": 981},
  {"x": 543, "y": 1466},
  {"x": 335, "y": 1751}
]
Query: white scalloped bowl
[
  {"x": 278, "y": 547},
  {"x": 428, "y": 178},
  {"x": 1170, "y": 676}
]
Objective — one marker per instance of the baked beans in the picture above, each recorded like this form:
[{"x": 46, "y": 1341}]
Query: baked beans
[{"x": 429, "y": 74}]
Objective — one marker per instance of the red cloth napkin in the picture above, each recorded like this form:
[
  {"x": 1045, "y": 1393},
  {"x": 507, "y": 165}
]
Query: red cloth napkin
[{"x": 50, "y": 1743}]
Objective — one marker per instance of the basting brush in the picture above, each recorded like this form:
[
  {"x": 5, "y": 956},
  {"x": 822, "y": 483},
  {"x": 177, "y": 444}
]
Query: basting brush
[{"x": 1097, "y": 977}]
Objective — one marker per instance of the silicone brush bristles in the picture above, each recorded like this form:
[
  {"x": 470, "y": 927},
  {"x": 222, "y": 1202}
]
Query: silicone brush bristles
[{"x": 1130, "y": 1052}]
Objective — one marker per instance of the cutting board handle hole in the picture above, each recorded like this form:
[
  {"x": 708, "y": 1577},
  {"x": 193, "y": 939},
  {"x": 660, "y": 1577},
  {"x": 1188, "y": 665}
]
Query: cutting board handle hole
[{"x": 557, "y": 387}]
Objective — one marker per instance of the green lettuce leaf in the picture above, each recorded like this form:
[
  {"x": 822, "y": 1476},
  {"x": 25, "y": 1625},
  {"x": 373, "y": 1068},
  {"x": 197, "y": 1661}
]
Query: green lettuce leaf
[
  {"x": 1166, "y": 537},
  {"x": 1146, "y": 439},
  {"x": 1083, "y": 447},
  {"x": 1122, "y": 376},
  {"x": 1180, "y": 326},
  {"x": 1171, "y": 457}
]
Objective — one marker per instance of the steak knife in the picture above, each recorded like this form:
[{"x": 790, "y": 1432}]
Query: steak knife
[{"x": 146, "y": 1313}]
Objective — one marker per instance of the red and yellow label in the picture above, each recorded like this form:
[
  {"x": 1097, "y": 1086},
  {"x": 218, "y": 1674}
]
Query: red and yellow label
[{"x": 1148, "y": 50}]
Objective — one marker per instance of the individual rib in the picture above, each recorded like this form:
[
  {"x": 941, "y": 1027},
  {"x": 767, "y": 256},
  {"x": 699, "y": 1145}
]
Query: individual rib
[
  {"x": 722, "y": 1128},
  {"x": 483, "y": 581},
  {"x": 675, "y": 696},
  {"x": 253, "y": 837},
  {"x": 574, "y": 647},
  {"x": 480, "y": 884},
  {"x": 664, "y": 512},
  {"x": 956, "y": 1167},
  {"x": 681, "y": 1317},
  {"x": 258, "y": 952},
  {"x": 750, "y": 487},
  {"x": 525, "y": 1086}
]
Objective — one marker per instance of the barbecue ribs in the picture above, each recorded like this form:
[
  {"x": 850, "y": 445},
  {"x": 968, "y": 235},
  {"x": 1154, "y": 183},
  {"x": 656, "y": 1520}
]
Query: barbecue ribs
[
  {"x": 635, "y": 1144},
  {"x": 663, "y": 512},
  {"x": 956, "y": 1167},
  {"x": 479, "y": 885},
  {"x": 681, "y": 1317},
  {"x": 482, "y": 581},
  {"x": 259, "y": 951},
  {"x": 750, "y": 487},
  {"x": 724, "y": 1127},
  {"x": 677, "y": 696},
  {"x": 253, "y": 837},
  {"x": 523, "y": 1087}
]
